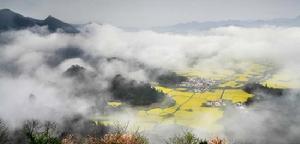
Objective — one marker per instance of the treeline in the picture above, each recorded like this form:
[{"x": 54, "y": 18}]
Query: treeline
[
  {"x": 72, "y": 132},
  {"x": 47, "y": 132},
  {"x": 261, "y": 92},
  {"x": 253, "y": 88},
  {"x": 133, "y": 92},
  {"x": 170, "y": 78},
  {"x": 85, "y": 132}
]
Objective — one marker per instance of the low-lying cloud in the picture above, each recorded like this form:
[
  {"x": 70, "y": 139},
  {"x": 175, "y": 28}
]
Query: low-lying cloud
[{"x": 32, "y": 63}]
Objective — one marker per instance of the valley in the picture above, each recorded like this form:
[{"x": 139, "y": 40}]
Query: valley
[{"x": 201, "y": 104}]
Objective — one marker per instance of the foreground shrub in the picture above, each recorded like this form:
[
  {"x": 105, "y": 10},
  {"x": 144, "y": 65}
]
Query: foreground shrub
[
  {"x": 190, "y": 138},
  {"x": 108, "y": 139},
  {"x": 216, "y": 140},
  {"x": 70, "y": 139},
  {"x": 37, "y": 133},
  {"x": 118, "y": 135},
  {"x": 123, "y": 139},
  {"x": 3, "y": 133},
  {"x": 186, "y": 138}
]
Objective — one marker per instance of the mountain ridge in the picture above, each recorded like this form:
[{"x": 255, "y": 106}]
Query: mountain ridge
[
  {"x": 10, "y": 20},
  {"x": 198, "y": 26}
]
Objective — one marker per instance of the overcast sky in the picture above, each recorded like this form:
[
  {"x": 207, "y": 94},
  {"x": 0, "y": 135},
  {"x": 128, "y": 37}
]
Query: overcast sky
[{"x": 148, "y": 13}]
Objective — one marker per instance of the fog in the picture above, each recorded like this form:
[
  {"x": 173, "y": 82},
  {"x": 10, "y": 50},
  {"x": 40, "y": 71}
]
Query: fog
[
  {"x": 275, "y": 121},
  {"x": 33, "y": 62}
]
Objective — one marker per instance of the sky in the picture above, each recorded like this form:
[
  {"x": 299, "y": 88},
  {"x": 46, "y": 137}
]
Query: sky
[{"x": 149, "y": 13}]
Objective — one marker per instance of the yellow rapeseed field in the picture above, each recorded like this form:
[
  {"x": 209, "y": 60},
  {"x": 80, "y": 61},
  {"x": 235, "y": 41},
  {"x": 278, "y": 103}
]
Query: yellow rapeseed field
[{"x": 190, "y": 110}]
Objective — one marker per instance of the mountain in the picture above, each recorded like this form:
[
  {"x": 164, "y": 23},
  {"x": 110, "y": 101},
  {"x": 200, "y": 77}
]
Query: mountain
[
  {"x": 10, "y": 20},
  {"x": 198, "y": 26},
  {"x": 54, "y": 24}
]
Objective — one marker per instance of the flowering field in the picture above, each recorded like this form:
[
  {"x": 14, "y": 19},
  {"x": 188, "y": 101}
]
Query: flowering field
[{"x": 205, "y": 109}]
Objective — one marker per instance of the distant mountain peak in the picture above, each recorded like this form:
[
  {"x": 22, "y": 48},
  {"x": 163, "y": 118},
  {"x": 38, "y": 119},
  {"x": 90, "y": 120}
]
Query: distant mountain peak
[
  {"x": 50, "y": 17},
  {"x": 54, "y": 24},
  {"x": 10, "y": 20},
  {"x": 194, "y": 26},
  {"x": 6, "y": 10}
]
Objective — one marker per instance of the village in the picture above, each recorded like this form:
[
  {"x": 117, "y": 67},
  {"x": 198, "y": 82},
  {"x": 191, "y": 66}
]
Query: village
[
  {"x": 197, "y": 84},
  {"x": 200, "y": 85}
]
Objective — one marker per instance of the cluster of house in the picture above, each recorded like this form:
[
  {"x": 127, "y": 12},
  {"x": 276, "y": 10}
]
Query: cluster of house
[
  {"x": 201, "y": 84},
  {"x": 217, "y": 103},
  {"x": 198, "y": 84},
  {"x": 240, "y": 105},
  {"x": 222, "y": 103}
]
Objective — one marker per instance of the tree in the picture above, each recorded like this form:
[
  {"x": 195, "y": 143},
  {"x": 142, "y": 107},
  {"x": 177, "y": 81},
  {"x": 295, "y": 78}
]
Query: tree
[
  {"x": 38, "y": 133},
  {"x": 3, "y": 133}
]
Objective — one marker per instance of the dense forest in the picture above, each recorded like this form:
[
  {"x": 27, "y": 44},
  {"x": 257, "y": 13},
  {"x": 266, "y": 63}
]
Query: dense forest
[
  {"x": 133, "y": 92},
  {"x": 262, "y": 93},
  {"x": 170, "y": 78}
]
